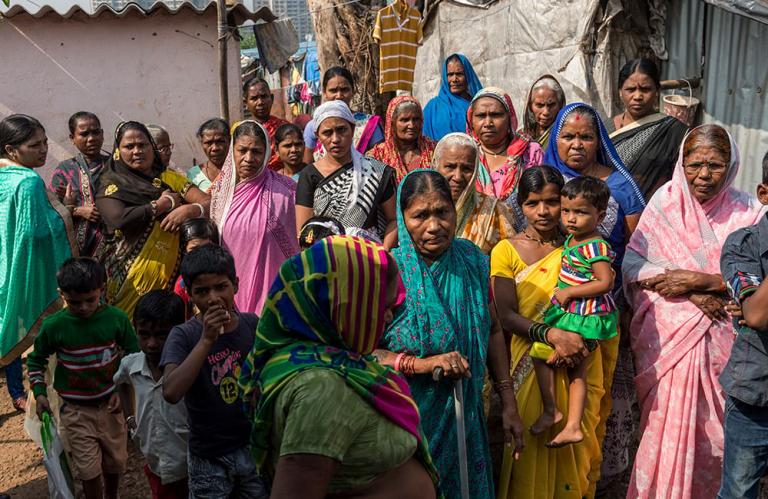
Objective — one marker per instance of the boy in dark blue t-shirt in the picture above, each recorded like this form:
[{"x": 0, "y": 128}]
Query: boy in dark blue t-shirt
[
  {"x": 743, "y": 263},
  {"x": 201, "y": 363}
]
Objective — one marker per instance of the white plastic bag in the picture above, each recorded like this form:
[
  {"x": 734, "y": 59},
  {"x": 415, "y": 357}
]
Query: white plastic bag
[{"x": 55, "y": 461}]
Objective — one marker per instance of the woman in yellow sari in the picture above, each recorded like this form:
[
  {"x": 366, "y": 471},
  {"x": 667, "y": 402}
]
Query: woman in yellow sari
[
  {"x": 524, "y": 272},
  {"x": 143, "y": 206}
]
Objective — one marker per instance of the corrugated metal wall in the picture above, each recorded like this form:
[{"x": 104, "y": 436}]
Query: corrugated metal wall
[{"x": 735, "y": 74}]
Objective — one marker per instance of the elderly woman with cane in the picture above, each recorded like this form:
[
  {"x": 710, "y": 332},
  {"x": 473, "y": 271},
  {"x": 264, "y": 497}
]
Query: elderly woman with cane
[{"x": 447, "y": 323}]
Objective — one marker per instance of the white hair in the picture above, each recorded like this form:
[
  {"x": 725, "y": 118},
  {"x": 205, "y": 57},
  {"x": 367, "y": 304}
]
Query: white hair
[
  {"x": 456, "y": 139},
  {"x": 406, "y": 105},
  {"x": 551, "y": 84}
]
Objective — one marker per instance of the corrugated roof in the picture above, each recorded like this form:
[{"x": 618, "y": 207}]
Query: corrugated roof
[{"x": 237, "y": 14}]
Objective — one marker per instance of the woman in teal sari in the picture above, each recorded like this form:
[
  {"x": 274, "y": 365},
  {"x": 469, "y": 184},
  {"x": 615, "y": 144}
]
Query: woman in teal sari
[
  {"x": 447, "y": 322},
  {"x": 35, "y": 239}
]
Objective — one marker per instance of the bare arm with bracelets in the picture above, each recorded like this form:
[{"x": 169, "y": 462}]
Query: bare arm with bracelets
[
  {"x": 455, "y": 365},
  {"x": 177, "y": 212},
  {"x": 569, "y": 347}
]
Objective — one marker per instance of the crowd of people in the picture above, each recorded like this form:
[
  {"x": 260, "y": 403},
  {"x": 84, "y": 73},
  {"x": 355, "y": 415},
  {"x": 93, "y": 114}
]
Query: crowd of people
[{"x": 449, "y": 302}]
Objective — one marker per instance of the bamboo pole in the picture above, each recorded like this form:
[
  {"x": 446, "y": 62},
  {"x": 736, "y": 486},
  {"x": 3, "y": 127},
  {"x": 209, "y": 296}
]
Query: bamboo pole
[{"x": 223, "y": 27}]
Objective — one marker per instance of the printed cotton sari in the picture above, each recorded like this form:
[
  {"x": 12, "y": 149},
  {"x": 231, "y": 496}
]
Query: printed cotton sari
[
  {"x": 140, "y": 255},
  {"x": 679, "y": 352},
  {"x": 83, "y": 177},
  {"x": 522, "y": 152},
  {"x": 484, "y": 220},
  {"x": 326, "y": 310},
  {"x": 446, "y": 309},
  {"x": 648, "y": 147},
  {"x": 257, "y": 222},
  {"x": 36, "y": 237},
  {"x": 387, "y": 151}
]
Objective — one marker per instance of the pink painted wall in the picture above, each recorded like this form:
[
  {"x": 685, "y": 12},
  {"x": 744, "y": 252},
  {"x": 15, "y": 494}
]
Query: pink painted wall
[{"x": 160, "y": 69}]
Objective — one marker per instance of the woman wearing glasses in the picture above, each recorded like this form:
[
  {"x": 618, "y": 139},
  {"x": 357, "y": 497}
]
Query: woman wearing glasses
[
  {"x": 163, "y": 142},
  {"x": 680, "y": 332}
]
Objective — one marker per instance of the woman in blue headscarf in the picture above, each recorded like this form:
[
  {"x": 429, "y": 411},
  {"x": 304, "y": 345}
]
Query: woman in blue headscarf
[
  {"x": 447, "y": 112},
  {"x": 580, "y": 146},
  {"x": 447, "y": 322}
]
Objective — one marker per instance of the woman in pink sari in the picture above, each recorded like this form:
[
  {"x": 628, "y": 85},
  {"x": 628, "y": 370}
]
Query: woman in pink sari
[
  {"x": 255, "y": 211},
  {"x": 681, "y": 334}
]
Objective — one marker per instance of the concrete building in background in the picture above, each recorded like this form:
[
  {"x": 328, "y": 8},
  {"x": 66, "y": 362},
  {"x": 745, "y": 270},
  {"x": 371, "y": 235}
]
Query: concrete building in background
[
  {"x": 297, "y": 11},
  {"x": 155, "y": 65}
]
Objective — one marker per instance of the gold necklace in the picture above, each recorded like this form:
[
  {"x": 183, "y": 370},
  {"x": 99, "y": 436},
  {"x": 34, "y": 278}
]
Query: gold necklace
[{"x": 553, "y": 242}]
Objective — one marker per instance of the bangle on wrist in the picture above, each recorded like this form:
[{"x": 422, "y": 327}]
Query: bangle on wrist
[
  {"x": 202, "y": 210},
  {"x": 504, "y": 384},
  {"x": 170, "y": 198},
  {"x": 538, "y": 332},
  {"x": 398, "y": 360},
  {"x": 409, "y": 365}
]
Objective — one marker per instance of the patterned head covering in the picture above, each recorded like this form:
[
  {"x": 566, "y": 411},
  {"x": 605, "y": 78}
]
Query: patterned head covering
[
  {"x": 223, "y": 190},
  {"x": 606, "y": 155},
  {"x": 519, "y": 145},
  {"x": 120, "y": 181},
  {"x": 466, "y": 203},
  {"x": 340, "y": 109},
  {"x": 326, "y": 310},
  {"x": 388, "y": 153}
]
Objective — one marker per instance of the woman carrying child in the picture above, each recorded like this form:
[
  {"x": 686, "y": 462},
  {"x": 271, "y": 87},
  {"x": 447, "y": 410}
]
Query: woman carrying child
[
  {"x": 582, "y": 303},
  {"x": 525, "y": 269}
]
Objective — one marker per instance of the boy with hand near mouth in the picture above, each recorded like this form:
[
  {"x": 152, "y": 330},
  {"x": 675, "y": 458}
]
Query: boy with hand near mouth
[
  {"x": 201, "y": 363},
  {"x": 88, "y": 339},
  {"x": 160, "y": 429}
]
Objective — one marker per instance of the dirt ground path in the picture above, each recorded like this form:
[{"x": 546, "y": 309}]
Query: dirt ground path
[{"x": 22, "y": 474}]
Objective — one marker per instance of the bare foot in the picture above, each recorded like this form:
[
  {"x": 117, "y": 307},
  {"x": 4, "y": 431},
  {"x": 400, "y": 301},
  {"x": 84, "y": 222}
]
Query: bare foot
[
  {"x": 545, "y": 422},
  {"x": 567, "y": 437}
]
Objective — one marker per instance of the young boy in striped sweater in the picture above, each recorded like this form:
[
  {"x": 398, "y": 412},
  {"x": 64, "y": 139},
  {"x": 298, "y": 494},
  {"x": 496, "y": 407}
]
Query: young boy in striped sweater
[{"x": 89, "y": 338}]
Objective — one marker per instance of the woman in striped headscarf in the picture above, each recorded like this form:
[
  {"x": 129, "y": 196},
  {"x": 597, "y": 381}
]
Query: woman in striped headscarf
[{"x": 328, "y": 418}]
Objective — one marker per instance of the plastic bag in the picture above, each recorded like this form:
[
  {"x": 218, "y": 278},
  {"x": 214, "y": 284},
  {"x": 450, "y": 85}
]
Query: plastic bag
[{"x": 60, "y": 484}]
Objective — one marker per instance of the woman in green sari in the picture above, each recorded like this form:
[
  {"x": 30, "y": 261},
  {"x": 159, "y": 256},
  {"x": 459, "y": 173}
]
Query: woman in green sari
[
  {"x": 447, "y": 322},
  {"x": 35, "y": 238},
  {"x": 143, "y": 204}
]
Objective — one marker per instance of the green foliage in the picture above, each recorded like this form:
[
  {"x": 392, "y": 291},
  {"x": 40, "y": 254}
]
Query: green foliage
[
  {"x": 248, "y": 40},
  {"x": 7, "y": 3}
]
